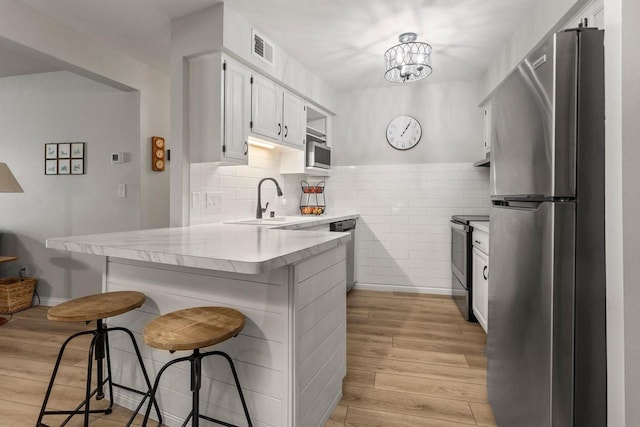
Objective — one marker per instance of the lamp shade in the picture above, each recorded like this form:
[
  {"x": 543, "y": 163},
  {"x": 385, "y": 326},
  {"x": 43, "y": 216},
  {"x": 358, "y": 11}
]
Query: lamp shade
[{"x": 8, "y": 182}]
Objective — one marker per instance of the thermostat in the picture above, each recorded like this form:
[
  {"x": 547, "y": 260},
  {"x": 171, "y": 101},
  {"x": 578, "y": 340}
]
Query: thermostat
[{"x": 117, "y": 158}]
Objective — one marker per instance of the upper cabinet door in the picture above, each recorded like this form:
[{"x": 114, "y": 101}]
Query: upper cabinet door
[
  {"x": 237, "y": 111},
  {"x": 294, "y": 119},
  {"x": 266, "y": 108}
]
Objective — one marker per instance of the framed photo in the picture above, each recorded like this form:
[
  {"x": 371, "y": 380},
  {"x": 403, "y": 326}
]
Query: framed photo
[
  {"x": 50, "y": 151},
  {"x": 77, "y": 150},
  {"x": 77, "y": 166},
  {"x": 51, "y": 167},
  {"x": 64, "y": 166},
  {"x": 64, "y": 151}
]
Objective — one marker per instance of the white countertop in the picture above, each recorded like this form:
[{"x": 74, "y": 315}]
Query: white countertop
[
  {"x": 249, "y": 249},
  {"x": 480, "y": 225}
]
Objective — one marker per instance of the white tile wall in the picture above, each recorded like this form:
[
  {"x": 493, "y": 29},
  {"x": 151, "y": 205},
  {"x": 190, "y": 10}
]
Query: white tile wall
[
  {"x": 238, "y": 187},
  {"x": 403, "y": 235}
]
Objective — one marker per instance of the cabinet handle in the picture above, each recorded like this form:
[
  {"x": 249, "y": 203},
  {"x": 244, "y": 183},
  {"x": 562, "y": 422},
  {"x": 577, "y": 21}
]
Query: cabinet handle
[
  {"x": 286, "y": 131},
  {"x": 484, "y": 273},
  {"x": 477, "y": 241},
  {"x": 246, "y": 148},
  {"x": 279, "y": 129}
]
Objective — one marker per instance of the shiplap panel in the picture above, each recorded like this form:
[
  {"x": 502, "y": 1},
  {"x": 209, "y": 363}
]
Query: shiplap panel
[
  {"x": 313, "y": 391},
  {"x": 312, "y": 266},
  {"x": 316, "y": 285},
  {"x": 258, "y": 323},
  {"x": 320, "y": 411},
  {"x": 252, "y": 294},
  {"x": 308, "y": 343},
  {"x": 312, "y": 314}
]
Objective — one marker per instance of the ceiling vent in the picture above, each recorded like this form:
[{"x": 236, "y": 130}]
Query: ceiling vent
[{"x": 261, "y": 47}]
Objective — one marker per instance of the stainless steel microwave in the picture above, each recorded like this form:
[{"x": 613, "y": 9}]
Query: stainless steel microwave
[{"x": 318, "y": 155}]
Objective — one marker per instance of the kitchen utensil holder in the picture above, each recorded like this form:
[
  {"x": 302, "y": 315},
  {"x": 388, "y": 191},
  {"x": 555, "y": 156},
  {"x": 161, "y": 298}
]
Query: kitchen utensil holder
[{"x": 312, "y": 201}]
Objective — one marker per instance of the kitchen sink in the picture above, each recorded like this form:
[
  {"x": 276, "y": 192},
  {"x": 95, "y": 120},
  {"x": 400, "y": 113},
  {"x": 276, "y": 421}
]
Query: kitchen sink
[{"x": 267, "y": 221}]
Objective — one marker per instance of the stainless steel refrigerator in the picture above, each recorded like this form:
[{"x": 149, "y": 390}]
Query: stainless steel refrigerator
[{"x": 546, "y": 344}]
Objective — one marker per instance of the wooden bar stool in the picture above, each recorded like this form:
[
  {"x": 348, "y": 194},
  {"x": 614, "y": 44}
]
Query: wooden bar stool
[
  {"x": 193, "y": 329},
  {"x": 86, "y": 309}
]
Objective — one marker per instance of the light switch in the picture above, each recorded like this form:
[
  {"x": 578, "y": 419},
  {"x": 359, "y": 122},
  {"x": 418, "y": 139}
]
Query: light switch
[{"x": 122, "y": 190}]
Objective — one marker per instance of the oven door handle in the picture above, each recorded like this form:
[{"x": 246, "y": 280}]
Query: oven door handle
[{"x": 458, "y": 226}]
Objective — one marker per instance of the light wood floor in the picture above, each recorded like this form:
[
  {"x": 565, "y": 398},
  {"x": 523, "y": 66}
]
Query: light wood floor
[{"x": 411, "y": 361}]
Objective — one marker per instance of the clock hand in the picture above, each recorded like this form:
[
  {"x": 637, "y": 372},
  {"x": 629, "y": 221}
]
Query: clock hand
[{"x": 405, "y": 129}]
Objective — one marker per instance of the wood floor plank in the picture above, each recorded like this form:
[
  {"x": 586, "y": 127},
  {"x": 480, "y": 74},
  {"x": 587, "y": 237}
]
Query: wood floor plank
[
  {"x": 10, "y": 347},
  {"x": 338, "y": 417},
  {"x": 483, "y": 414},
  {"x": 476, "y": 360},
  {"x": 385, "y": 352},
  {"x": 360, "y": 378},
  {"x": 409, "y": 404},
  {"x": 416, "y": 333},
  {"x": 358, "y": 417},
  {"x": 444, "y": 346},
  {"x": 376, "y": 339},
  {"x": 431, "y": 387}
]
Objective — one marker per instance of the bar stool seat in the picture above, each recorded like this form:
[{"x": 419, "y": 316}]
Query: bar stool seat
[
  {"x": 94, "y": 307},
  {"x": 97, "y": 308},
  {"x": 194, "y": 329}
]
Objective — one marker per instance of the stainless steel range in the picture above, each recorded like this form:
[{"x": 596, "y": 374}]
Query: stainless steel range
[{"x": 461, "y": 277}]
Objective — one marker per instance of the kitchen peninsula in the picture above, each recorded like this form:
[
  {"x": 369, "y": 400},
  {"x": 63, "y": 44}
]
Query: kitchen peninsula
[{"x": 290, "y": 284}]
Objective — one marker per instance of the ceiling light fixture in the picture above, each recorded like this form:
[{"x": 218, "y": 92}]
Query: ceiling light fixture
[{"x": 408, "y": 61}]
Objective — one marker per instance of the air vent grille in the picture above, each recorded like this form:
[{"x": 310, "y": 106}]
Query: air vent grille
[{"x": 262, "y": 48}]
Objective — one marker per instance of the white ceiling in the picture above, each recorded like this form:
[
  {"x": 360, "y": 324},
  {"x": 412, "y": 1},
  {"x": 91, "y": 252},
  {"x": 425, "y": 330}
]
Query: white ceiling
[{"x": 341, "y": 40}]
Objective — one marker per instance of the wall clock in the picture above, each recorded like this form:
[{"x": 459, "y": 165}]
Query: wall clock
[{"x": 404, "y": 132}]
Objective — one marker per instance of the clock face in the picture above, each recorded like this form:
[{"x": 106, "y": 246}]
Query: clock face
[{"x": 404, "y": 132}]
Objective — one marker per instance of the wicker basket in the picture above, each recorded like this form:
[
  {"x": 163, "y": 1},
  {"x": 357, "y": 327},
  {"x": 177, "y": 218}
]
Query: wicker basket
[{"x": 15, "y": 294}]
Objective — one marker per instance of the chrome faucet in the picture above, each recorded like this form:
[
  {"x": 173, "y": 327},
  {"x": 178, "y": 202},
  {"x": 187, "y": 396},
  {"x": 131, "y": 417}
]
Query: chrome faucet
[{"x": 259, "y": 209}]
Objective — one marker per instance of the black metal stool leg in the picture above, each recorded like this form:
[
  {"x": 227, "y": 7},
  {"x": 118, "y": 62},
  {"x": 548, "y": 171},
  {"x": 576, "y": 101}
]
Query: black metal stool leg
[
  {"x": 196, "y": 379},
  {"x": 157, "y": 383},
  {"x": 55, "y": 373},
  {"x": 144, "y": 373},
  {"x": 235, "y": 378}
]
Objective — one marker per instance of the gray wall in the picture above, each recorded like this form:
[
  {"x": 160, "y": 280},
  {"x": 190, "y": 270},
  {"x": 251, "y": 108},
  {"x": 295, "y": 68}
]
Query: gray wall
[
  {"x": 59, "y": 107},
  {"x": 450, "y": 118},
  {"x": 631, "y": 204}
]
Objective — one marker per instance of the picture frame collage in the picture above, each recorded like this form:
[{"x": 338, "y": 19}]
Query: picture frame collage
[{"x": 64, "y": 158}]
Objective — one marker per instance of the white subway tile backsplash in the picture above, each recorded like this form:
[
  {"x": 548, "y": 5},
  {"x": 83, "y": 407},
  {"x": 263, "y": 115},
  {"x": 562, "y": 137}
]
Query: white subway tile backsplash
[
  {"x": 403, "y": 235},
  {"x": 408, "y": 242}
]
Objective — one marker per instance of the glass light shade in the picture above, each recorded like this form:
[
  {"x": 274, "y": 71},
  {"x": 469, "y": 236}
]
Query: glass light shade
[
  {"x": 408, "y": 61},
  {"x": 8, "y": 182}
]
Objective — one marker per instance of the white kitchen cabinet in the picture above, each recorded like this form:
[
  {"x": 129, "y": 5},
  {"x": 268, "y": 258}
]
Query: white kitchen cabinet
[
  {"x": 294, "y": 120},
  {"x": 480, "y": 299},
  {"x": 276, "y": 113},
  {"x": 219, "y": 110},
  {"x": 266, "y": 108}
]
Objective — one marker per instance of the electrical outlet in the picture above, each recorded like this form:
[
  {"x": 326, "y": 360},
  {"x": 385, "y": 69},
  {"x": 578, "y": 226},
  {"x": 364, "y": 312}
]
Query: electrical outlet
[
  {"x": 122, "y": 190},
  {"x": 26, "y": 270},
  {"x": 213, "y": 202},
  {"x": 195, "y": 200}
]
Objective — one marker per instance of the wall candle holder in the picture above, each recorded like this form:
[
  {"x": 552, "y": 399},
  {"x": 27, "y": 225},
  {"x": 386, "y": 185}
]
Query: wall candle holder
[{"x": 158, "y": 160}]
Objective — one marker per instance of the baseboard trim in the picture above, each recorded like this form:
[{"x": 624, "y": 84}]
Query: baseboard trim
[
  {"x": 402, "y": 288},
  {"x": 49, "y": 301}
]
